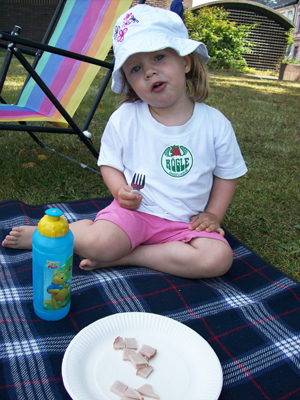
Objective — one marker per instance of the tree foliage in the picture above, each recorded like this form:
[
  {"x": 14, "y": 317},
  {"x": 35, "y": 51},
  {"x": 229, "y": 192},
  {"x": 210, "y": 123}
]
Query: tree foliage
[
  {"x": 290, "y": 36},
  {"x": 226, "y": 42}
]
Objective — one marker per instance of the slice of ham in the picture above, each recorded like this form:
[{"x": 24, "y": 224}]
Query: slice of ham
[
  {"x": 130, "y": 343},
  {"x": 147, "y": 351},
  {"x": 132, "y": 394},
  {"x": 119, "y": 343},
  {"x": 147, "y": 391},
  {"x": 138, "y": 360},
  {"x": 127, "y": 353},
  {"x": 118, "y": 388},
  {"x": 144, "y": 372}
]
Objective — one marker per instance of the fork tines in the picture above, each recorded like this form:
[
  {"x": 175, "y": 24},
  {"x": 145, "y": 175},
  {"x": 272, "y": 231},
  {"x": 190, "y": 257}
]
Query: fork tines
[{"x": 138, "y": 181}]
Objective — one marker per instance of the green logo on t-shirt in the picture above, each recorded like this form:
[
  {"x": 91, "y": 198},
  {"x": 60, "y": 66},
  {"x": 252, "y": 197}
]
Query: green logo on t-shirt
[{"x": 177, "y": 161}]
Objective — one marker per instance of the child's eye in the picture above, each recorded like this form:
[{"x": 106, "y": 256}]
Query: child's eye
[
  {"x": 159, "y": 57},
  {"x": 136, "y": 69}
]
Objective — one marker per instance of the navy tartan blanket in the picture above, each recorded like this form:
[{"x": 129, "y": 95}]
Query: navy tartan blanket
[{"x": 250, "y": 316}]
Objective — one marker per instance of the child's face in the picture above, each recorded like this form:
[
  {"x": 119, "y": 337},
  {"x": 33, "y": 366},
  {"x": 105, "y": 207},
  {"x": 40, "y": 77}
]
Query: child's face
[{"x": 158, "y": 78}]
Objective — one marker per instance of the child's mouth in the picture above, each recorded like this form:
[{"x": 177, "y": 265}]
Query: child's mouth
[{"x": 158, "y": 86}]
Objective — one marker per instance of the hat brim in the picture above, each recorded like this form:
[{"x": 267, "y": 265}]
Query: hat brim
[{"x": 182, "y": 46}]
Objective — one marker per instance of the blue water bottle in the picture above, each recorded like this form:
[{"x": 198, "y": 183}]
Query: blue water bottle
[{"x": 52, "y": 262}]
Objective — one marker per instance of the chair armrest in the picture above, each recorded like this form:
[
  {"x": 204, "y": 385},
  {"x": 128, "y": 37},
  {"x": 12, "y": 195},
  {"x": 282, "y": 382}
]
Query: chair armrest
[{"x": 51, "y": 49}]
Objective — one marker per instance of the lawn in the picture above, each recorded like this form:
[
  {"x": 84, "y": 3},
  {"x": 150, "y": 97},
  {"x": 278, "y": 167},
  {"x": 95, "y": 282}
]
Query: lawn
[{"x": 265, "y": 115}]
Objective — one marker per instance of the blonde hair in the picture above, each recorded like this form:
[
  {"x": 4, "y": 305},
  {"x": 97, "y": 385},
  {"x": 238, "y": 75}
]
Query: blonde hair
[{"x": 196, "y": 81}]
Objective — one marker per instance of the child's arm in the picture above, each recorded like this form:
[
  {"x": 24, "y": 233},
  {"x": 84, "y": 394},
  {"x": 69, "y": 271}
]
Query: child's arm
[
  {"x": 220, "y": 197},
  {"x": 117, "y": 185}
]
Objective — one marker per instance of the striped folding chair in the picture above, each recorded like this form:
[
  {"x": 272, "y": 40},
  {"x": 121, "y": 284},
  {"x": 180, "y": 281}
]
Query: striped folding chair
[{"x": 65, "y": 65}]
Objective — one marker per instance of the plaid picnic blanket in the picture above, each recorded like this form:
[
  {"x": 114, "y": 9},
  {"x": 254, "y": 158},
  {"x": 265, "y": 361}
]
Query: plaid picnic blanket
[{"x": 250, "y": 316}]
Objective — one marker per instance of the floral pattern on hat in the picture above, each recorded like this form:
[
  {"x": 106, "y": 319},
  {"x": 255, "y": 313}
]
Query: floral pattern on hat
[{"x": 120, "y": 33}]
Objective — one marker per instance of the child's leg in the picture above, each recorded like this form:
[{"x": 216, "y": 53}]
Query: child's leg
[
  {"x": 201, "y": 258},
  {"x": 100, "y": 241},
  {"x": 104, "y": 244},
  {"x": 19, "y": 237}
]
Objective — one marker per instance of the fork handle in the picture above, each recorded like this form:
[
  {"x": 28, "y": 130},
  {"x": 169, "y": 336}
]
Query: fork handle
[{"x": 135, "y": 191}]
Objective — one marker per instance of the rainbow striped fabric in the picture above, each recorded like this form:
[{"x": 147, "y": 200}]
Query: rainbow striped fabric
[{"x": 84, "y": 27}]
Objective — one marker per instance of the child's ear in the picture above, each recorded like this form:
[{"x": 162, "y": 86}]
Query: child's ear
[{"x": 187, "y": 62}]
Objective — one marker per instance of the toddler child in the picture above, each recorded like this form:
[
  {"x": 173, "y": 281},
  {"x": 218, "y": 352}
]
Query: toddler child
[{"x": 187, "y": 151}]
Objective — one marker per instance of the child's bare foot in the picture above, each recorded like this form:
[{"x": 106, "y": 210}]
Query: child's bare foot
[
  {"x": 19, "y": 237},
  {"x": 89, "y": 265}
]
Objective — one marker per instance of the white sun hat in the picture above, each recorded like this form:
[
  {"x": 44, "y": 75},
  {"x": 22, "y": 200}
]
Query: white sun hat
[{"x": 144, "y": 28}]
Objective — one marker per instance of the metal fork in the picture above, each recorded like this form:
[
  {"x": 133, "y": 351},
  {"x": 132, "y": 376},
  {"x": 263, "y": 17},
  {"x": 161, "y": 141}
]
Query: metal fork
[{"x": 138, "y": 182}]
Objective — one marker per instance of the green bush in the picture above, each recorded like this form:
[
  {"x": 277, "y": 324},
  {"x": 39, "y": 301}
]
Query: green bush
[
  {"x": 290, "y": 36},
  {"x": 286, "y": 60},
  {"x": 226, "y": 42}
]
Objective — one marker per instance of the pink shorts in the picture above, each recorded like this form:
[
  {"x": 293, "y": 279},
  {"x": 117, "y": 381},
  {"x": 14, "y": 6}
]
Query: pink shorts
[{"x": 146, "y": 229}]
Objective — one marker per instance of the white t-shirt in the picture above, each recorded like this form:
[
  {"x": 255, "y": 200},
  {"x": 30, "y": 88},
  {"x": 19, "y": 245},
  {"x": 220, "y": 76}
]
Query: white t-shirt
[{"x": 179, "y": 161}]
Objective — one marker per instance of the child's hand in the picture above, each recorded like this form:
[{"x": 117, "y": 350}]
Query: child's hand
[
  {"x": 128, "y": 200},
  {"x": 206, "y": 221}
]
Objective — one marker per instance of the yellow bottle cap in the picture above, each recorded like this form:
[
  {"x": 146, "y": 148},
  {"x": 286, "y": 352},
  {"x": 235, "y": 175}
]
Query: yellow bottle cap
[{"x": 53, "y": 224}]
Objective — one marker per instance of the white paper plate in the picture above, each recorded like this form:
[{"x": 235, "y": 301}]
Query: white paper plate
[{"x": 185, "y": 366}]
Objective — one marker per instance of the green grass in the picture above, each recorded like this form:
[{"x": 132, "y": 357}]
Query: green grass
[
  {"x": 265, "y": 115},
  {"x": 265, "y": 211}
]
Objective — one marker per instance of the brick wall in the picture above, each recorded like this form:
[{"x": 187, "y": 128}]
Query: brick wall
[
  {"x": 156, "y": 3},
  {"x": 186, "y": 3},
  {"x": 34, "y": 16},
  {"x": 165, "y": 3}
]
